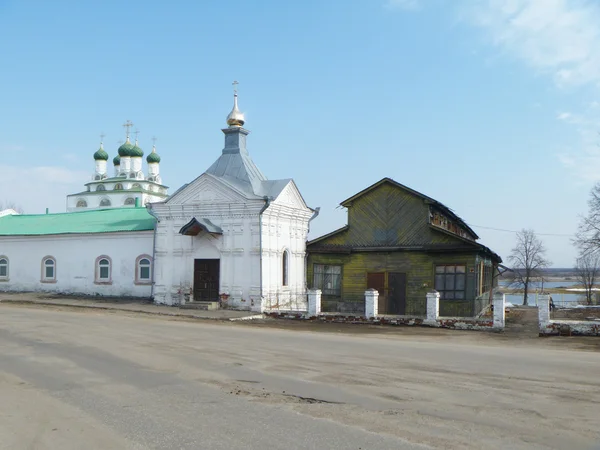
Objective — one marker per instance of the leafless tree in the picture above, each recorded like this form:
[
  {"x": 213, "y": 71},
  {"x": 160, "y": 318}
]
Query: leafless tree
[
  {"x": 586, "y": 270},
  {"x": 10, "y": 205},
  {"x": 527, "y": 258},
  {"x": 588, "y": 234}
]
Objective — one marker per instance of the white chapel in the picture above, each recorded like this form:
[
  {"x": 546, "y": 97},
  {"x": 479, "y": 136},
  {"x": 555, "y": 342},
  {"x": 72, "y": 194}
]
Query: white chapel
[{"x": 232, "y": 234}]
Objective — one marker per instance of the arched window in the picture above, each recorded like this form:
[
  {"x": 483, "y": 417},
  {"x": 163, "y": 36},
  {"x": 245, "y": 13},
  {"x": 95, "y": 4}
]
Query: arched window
[
  {"x": 48, "y": 270},
  {"x": 118, "y": 187},
  {"x": 136, "y": 186},
  {"x": 284, "y": 267},
  {"x": 105, "y": 202},
  {"x": 143, "y": 270},
  {"x": 103, "y": 270},
  {"x": 130, "y": 201},
  {"x": 3, "y": 268},
  {"x": 81, "y": 203},
  {"x": 100, "y": 187},
  {"x": 132, "y": 175}
]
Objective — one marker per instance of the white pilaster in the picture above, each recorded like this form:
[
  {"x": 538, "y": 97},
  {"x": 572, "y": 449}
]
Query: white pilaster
[
  {"x": 433, "y": 307},
  {"x": 499, "y": 311},
  {"x": 543, "y": 302},
  {"x": 371, "y": 303},
  {"x": 314, "y": 302}
]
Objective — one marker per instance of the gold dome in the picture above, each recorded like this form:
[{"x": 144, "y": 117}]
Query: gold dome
[{"x": 235, "y": 117}]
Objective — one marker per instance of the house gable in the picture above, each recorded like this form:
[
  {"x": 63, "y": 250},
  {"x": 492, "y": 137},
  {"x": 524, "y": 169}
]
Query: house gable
[
  {"x": 390, "y": 215},
  {"x": 207, "y": 189},
  {"x": 290, "y": 196}
]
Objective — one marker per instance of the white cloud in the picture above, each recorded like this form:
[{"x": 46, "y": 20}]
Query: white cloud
[
  {"x": 558, "y": 37},
  {"x": 37, "y": 188}
]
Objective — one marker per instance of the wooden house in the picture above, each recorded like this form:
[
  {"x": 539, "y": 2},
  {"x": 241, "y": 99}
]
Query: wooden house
[{"x": 403, "y": 244}]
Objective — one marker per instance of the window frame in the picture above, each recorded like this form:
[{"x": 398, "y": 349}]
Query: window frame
[
  {"x": 285, "y": 268},
  {"x": 446, "y": 275},
  {"x": 5, "y": 277},
  {"x": 138, "y": 269},
  {"x": 328, "y": 292},
  {"x": 129, "y": 201},
  {"x": 44, "y": 278},
  {"x": 97, "y": 271},
  {"x": 100, "y": 188},
  {"x": 106, "y": 201},
  {"x": 81, "y": 203}
]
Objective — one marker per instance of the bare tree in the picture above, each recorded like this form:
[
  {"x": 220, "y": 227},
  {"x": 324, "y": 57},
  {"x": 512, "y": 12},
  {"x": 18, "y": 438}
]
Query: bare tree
[
  {"x": 587, "y": 270},
  {"x": 10, "y": 205},
  {"x": 527, "y": 258},
  {"x": 588, "y": 234}
]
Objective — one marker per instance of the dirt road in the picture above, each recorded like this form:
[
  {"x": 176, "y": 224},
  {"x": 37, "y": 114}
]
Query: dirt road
[{"x": 71, "y": 380}]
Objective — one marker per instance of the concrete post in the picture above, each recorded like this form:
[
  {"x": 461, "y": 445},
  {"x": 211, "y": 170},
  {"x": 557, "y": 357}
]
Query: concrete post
[
  {"x": 543, "y": 302},
  {"x": 314, "y": 302},
  {"x": 371, "y": 303},
  {"x": 499, "y": 310},
  {"x": 433, "y": 307}
]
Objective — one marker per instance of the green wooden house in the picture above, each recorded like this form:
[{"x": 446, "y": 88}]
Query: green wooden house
[{"x": 403, "y": 244}]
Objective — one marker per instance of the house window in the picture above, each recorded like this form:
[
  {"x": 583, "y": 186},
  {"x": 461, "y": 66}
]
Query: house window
[
  {"x": 328, "y": 279},
  {"x": 143, "y": 270},
  {"x": 451, "y": 281},
  {"x": 103, "y": 270},
  {"x": 284, "y": 267},
  {"x": 3, "y": 268},
  {"x": 48, "y": 270},
  {"x": 130, "y": 201},
  {"x": 100, "y": 187},
  {"x": 105, "y": 202},
  {"x": 81, "y": 204}
]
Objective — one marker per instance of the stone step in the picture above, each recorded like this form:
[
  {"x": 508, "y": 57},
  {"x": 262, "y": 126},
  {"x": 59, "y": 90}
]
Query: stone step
[{"x": 207, "y": 306}]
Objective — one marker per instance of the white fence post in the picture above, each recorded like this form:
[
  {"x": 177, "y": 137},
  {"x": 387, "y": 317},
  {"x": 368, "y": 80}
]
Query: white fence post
[
  {"x": 433, "y": 307},
  {"x": 499, "y": 310},
  {"x": 371, "y": 303},
  {"x": 314, "y": 302},
  {"x": 543, "y": 302}
]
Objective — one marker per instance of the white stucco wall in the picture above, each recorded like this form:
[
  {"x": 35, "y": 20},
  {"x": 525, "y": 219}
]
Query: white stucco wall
[
  {"x": 246, "y": 238},
  {"x": 75, "y": 257}
]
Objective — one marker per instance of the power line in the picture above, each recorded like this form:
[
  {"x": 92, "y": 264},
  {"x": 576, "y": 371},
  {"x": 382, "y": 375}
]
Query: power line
[{"x": 515, "y": 232}]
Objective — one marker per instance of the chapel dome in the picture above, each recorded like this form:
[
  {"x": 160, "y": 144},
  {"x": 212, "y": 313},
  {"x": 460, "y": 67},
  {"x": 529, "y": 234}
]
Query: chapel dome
[
  {"x": 117, "y": 160},
  {"x": 101, "y": 155},
  {"x": 136, "y": 152},
  {"x": 126, "y": 148},
  {"x": 153, "y": 157}
]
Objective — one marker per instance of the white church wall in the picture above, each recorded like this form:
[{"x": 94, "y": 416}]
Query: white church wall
[
  {"x": 75, "y": 257},
  {"x": 236, "y": 248}
]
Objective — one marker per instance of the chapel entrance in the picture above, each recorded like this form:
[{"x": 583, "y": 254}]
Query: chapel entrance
[
  {"x": 206, "y": 280},
  {"x": 392, "y": 291}
]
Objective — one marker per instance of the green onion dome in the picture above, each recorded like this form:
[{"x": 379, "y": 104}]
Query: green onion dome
[
  {"x": 153, "y": 157},
  {"x": 117, "y": 160},
  {"x": 136, "y": 152},
  {"x": 125, "y": 149},
  {"x": 101, "y": 155}
]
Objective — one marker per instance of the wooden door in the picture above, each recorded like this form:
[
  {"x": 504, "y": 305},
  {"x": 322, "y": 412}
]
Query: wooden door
[
  {"x": 376, "y": 280},
  {"x": 206, "y": 280},
  {"x": 396, "y": 293}
]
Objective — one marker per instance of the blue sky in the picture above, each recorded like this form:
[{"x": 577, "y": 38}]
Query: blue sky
[{"x": 491, "y": 107}]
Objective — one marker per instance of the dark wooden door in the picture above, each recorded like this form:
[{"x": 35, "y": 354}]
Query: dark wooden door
[
  {"x": 376, "y": 280},
  {"x": 206, "y": 280},
  {"x": 396, "y": 293}
]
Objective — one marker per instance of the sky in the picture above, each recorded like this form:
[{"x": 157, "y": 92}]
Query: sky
[{"x": 490, "y": 106}]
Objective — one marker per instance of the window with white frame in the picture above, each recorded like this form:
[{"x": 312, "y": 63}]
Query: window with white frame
[
  {"x": 3, "y": 268},
  {"x": 48, "y": 269},
  {"x": 143, "y": 270},
  {"x": 103, "y": 269}
]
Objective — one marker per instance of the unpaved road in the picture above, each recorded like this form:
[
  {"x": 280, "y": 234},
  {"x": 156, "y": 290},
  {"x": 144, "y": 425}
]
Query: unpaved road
[{"x": 98, "y": 380}]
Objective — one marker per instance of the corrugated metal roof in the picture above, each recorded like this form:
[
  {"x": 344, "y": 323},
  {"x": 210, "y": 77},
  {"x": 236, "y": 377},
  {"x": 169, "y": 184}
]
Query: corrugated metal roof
[{"x": 80, "y": 222}]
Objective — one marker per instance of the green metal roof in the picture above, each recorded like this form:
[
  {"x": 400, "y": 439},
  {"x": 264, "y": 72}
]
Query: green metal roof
[{"x": 96, "y": 221}]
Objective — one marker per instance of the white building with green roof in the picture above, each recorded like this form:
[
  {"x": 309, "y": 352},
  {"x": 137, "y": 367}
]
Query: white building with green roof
[
  {"x": 96, "y": 252},
  {"x": 128, "y": 185}
]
